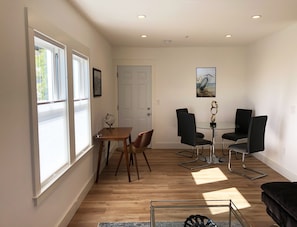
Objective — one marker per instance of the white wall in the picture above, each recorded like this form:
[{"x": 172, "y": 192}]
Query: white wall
[
  {"x": 272, "y": 83},
  {"x": 174, "y": 84},
  {"x": 16, "y": 191}
]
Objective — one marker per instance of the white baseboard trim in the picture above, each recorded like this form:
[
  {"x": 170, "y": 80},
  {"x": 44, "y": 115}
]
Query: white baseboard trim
[
  {"x": 85, "y": 190},
  {"x": 275, "y": 166},
  {"x": 76, "y": 203},
  {"x": 163, "y": 145}
]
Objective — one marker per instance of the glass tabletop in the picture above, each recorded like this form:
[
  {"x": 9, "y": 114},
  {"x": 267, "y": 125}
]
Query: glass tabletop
[
  {"x": 211, "y": 213},
  {"x": 219, "y": 125}
]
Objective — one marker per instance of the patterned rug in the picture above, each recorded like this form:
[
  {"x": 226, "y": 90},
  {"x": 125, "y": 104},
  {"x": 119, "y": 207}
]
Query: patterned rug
[{"x": 161, "y": 224}]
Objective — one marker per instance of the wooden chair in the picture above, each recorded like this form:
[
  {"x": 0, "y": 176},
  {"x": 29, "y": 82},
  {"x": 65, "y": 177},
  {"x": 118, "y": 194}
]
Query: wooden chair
[{"x": 140, "y": 145}]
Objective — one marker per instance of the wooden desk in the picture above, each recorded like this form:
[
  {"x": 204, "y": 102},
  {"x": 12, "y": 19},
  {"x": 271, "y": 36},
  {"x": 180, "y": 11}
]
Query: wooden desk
[{"x": 117, "y": 134}]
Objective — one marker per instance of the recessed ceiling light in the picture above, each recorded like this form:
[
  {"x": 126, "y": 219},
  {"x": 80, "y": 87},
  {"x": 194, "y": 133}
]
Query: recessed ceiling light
[
  {"x": 141, "y": 16},
  {"x": 143, "y": 36},
  {"x": 256, "y": 16},
  {"x": 228, "y": 36}
]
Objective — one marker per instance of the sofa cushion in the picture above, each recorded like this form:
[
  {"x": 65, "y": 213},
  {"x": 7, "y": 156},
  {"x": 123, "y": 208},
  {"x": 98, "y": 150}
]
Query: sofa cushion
[{"x": 284, "y": 193}]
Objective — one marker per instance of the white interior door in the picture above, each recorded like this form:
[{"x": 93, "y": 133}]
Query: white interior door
[{"x": 135, "y": 98}]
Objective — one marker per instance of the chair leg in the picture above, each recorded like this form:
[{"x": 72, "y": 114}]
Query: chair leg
[
  {"x": 121, "y": 157},
  {"x": 188, "y": 165},
  {"x": 131, "y": 162},
  {"x": 136, "y": 164},
  {"x": 229, "y": 161},
  {"x": 147, "y": 161},
  {"x": 186, "y": 153},
  {"x": 260, "y": 174},
  {"x": 223, "y": 146}
]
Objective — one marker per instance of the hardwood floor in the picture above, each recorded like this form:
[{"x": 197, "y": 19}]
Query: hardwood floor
[{"x": 113, "y": 199}]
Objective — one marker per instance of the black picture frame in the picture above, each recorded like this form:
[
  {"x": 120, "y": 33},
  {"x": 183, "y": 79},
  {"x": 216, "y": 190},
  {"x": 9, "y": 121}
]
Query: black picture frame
[{"x": 97, "y": 82}]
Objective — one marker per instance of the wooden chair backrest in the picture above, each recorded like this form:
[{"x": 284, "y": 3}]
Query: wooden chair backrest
[{"x": 143, "y": 140}]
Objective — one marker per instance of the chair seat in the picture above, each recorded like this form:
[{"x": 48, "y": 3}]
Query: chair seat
[
  {"x": 202, "y": 142},
  {"x": 234, "y": 136},
  {"x": 129, "y": 149},
  {"x": 239, "y": 147},
  {"x": 242, "y": 121},
  {"x": 199, "y": 135}
]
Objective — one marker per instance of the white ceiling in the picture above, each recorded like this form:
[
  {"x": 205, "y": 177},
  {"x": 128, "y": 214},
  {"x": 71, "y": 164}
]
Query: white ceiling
[{"x": 187, "y": 22}]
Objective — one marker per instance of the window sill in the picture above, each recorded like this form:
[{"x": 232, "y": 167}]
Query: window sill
[{"x": 58, "y": 180}]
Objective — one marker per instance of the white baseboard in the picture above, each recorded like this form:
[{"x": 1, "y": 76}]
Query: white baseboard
[
  {"x": 79, "y": 199},
  {"x": 275, "y": 166},
  {"x": 76, "y": 203},
  {"x": 163, "y": 145}
]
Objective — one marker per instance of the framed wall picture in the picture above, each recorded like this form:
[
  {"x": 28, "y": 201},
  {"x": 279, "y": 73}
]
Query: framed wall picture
[
  {"x": 97, "y": 82},
  {"x": 206, "y": 82}
]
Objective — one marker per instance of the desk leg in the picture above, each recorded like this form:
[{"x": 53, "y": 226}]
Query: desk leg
[
  {"x": 99, "y": 159},
  {"x": 127, "y": 159},
  {"x": 108, "y": 147}
]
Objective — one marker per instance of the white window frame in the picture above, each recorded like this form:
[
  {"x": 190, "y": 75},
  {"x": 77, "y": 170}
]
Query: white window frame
[
  {"x": 37, "y": 26},
  {"x": 83, "y": 99},
  {"x": 52, "y": 112}
]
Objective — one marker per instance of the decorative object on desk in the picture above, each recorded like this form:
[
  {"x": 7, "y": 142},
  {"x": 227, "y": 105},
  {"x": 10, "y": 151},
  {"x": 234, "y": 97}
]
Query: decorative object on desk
[
  {"x": 97, "y": 82},
  {"x": 199, "y": 221},
  {"x": 206, "y": 82},
  {"x": 213, "y": 110},
  {"x": 109, "y": 119}
]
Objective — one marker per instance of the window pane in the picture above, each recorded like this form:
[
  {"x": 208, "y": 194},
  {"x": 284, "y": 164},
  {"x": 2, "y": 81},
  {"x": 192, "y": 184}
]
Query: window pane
[
  {"x": 52, "y": 108},
  {"x": 81, "y": 103},
  {"x": 53, "y": 138}
]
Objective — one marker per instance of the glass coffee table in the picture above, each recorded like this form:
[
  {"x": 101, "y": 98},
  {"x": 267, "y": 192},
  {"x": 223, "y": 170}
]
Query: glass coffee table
[{"x": 208, "y": 213}]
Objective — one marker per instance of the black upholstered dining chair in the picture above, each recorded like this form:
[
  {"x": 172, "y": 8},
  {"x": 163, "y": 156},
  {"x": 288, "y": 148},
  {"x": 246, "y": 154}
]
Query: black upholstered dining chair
[
  {"x": 140, "y": 145},
  {"x": 186, "y": 153},
  {"x": 242, "y": 121},
  {"x": 255, "y": 143},
  {"x": 188, "y": 137}
]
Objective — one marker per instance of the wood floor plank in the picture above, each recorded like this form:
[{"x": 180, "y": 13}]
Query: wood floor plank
[{"x": 114, "y": 199}]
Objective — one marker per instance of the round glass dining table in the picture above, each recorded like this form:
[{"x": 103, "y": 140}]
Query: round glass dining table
[{"x": 213, "y": 128}]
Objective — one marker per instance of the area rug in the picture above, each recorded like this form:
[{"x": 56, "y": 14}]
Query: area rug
[{"x": 159, "y": 224}]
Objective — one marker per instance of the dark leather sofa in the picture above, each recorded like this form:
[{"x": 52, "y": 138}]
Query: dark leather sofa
[{"x": 280, "y": 199}]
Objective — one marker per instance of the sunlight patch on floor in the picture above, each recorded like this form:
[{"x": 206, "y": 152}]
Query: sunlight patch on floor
[
  {"x": 229, "y": 194},
  {"x": 206, "y": 176}
]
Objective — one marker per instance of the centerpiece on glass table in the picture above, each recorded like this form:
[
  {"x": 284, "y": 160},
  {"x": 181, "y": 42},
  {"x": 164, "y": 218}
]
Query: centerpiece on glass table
[{"x": 213, "y": 110}]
